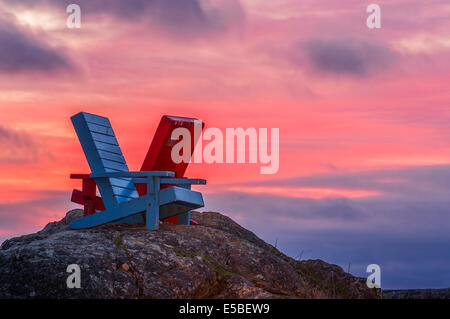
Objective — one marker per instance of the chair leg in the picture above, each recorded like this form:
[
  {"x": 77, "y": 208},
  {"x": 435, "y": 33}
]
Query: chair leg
[
  {"x": 152, "y": 216},
  {"x": 89, "y": 207},
  {"x": 88, "y": 190},
  {"x": 152, "y": 213},
  {"x": 184, "y": 218}
]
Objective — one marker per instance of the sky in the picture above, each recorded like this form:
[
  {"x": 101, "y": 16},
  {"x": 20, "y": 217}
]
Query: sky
[{"x": 364, "y": 174}]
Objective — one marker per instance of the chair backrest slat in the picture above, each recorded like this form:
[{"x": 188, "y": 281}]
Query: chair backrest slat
[
  {"x": 97, "y": 128},
  {"x": 108, "y": 148},
  {"x": 111, "y": 166},
  {"x": 103, "y": 154},
  {"x": 111, "y": 156},
  {"x": 108, "y": 139}
]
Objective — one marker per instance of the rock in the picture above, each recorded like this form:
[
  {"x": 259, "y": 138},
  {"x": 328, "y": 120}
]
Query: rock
[
  {"x": 417, "y": 294},
  {"x": 216, "y": 259}
]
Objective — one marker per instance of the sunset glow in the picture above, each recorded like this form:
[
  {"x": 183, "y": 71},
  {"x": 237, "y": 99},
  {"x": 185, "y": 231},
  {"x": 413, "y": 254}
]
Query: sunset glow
[{"x": 362, "y": 113}]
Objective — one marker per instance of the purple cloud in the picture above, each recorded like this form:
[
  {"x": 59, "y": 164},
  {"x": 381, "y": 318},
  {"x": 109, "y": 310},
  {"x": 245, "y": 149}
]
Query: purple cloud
[
  {"x": 22, "y": 52},
  {"x": 179, "y": 17},
  {"x": 17, "y": 147},
  {"x": 29, "y": 215},
  {"x": 346, "y": 56},
  {"x": 407, "y": 182}
]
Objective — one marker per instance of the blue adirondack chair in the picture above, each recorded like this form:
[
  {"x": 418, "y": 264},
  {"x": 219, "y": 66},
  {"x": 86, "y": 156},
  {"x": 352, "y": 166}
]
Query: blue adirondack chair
[{"x": 116, "y": 183}]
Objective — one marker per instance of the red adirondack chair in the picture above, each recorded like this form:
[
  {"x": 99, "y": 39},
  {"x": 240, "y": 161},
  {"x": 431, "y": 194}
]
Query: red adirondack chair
[{"x": 158, "y": 158}]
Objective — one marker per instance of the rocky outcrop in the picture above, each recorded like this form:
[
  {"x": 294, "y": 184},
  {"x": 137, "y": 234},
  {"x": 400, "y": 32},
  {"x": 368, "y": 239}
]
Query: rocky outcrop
[
  {"x": 417, "y": 294},
  {"x": 216, "y": 259}
]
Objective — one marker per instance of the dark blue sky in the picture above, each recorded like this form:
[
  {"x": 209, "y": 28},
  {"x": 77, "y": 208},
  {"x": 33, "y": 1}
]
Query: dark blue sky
[{"x": 406, "y": 230}]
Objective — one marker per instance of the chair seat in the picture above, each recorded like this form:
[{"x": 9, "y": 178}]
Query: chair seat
[{"x": 175, "y": 200}]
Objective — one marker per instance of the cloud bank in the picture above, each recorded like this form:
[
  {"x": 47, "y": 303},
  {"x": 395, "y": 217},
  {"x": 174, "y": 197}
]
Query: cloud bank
[
  {"x": 18, "y": 147},
  {"x": 346, "y": 56},
  {"x": 178, "y": 17},
  {"x": 406, "y": 229},
  {"x": 20, "y": 51}
]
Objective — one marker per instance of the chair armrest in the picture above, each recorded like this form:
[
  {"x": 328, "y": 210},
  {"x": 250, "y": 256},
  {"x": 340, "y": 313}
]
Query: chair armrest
[
  {"x": 183, "y": 181},
  {"x": 134, "y": 174},
  {"x": 79, "y": 176}
]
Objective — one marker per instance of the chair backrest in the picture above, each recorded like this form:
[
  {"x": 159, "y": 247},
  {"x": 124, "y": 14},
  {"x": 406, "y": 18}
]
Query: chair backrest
[
  {"x": 159, "y": 154},
  {"x": 103, "y": 154},
  {"x": 158, "y": 157}
]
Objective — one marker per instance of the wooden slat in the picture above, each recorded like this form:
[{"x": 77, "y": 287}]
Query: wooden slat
[
  {"x": 96, "y": 119},
  {"x": 104, "y": 138},
  {"x": 122, "y": 199},
  {"x": 114, "y": 165},
  {"x": 181, "y": 196},
  {"x": 79, "y": 176},
  {"x": 111, "y": 157},
  {"x": 124, "y": 183},
  {"x": 125, "y": 192},
  {"x": 182, "y": 181},
  {"x": 112, "y": 170},
  {"x": 107, "y": 130},
  {"x": 128, "y": 174},
  {"x": 108, "y": 147}
]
